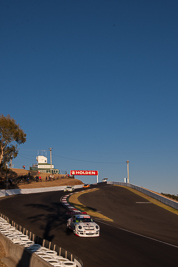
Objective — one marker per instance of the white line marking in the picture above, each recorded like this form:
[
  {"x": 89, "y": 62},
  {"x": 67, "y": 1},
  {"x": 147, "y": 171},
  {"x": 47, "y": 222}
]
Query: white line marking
[
  {"x": 147, "y": 237},
  {"x": 143, "y": 202}
]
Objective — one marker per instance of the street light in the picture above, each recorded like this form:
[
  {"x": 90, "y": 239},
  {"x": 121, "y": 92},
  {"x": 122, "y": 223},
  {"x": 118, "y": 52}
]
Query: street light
[{"x": 127, "y": 171}]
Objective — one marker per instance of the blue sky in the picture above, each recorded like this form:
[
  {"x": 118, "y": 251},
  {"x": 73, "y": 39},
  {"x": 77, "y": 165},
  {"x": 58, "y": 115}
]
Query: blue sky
[{"x": 96, "y": 81}]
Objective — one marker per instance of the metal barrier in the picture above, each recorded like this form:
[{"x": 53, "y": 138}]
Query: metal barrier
[
  {"x": 164, "y": 200},
  {"x": 45, "y": 243},
  {"x": 10, "y": 192}
]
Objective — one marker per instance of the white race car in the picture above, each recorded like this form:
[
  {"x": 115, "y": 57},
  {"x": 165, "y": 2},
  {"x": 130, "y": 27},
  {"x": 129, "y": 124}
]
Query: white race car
[
  {"x": 83, "y": 225},
  {"x": 68, "y": 189}
]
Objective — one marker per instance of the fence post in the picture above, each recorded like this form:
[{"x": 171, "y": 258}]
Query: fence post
[{"x": 60, "y": 251}]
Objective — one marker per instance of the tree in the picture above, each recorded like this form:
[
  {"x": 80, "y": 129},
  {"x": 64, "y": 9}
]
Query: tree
[{"x": 11, "y": 135}]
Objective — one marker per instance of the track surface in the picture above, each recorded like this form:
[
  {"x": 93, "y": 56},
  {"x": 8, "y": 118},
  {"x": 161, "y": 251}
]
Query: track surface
[{"x": 45, "y": 216}]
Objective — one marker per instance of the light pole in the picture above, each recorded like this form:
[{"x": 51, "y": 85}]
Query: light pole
[
  {"x": 127, "y": 171},
  {"x": 50, "y": 149}
]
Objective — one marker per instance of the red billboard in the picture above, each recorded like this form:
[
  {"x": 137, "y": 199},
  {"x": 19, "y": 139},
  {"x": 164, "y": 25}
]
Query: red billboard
[{"x": 80, "y": 172}]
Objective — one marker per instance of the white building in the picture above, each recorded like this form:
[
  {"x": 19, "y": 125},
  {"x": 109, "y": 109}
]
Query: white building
[{"x": 43, "y": 166}]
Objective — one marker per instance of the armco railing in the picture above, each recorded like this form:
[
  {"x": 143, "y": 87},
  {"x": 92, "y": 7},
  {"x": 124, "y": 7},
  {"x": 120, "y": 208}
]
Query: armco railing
[
  {"x": 10, "y": 192},
  {"x": 169, "y": 202},
  {"x": 45, "y": 243}
]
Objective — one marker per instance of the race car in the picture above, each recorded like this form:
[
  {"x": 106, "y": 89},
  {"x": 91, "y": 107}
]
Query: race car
[
  {"x": 86, "y": 185},
  {"x": 83, "y": 225},
  {"x": 68, "y": 189}
]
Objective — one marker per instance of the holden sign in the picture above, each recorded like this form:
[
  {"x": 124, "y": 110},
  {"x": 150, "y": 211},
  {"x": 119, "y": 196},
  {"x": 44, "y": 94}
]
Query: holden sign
[{"x": 80, "y": 172}]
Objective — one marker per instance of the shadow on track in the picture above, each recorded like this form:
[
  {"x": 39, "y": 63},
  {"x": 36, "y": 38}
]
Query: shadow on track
[{"x": 51, "y": 217}]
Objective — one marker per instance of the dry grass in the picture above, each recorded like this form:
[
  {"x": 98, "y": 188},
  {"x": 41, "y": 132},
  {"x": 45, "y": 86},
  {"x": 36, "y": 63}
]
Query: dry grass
[
  {"x": 59, "y": 179},
  {"x": 59, "y": 182},
  {"x": 2, "y": 254},
  {"x": 75, "y": 202},
  {"x": 20, "y": 172}
]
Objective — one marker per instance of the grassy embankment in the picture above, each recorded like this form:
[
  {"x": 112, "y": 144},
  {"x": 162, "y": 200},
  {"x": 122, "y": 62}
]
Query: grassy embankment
[{"x": 19, "y": 180}]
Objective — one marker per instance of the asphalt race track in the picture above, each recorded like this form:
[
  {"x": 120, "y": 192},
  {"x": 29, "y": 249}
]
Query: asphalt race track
[{"x": 46, "y": 217}]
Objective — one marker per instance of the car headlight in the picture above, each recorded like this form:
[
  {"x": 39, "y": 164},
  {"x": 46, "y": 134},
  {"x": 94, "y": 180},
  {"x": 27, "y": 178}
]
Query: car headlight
[{"x": 80, "y": 227}]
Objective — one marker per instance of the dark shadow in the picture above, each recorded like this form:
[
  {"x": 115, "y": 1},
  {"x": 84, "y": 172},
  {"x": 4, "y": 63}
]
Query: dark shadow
[
  {"x": 54, "y": 215},
  {"x": 9, "y": 179},
  {"x": 25, "y": 259},
  {"x": 69, "y": 231}
]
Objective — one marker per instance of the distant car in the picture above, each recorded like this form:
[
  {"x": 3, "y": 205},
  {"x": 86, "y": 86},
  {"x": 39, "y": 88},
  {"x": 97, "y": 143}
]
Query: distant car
[
  {"x": 68, "y": 189},
  {"x": 86, "y": 185},
  {"x": 83, "y": 225},
  {"x": 104, "y": 180}
]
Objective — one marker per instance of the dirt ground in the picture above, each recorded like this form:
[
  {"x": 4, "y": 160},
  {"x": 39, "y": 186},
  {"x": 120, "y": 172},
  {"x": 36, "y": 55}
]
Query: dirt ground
[
  {"x": 45, "y": 180},
  {"x": 44, "y": 183},
  {"x": 2, "y": 254}
]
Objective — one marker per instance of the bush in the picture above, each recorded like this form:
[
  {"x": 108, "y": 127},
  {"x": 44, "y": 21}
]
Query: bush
[{"x": 171, "y": 196}]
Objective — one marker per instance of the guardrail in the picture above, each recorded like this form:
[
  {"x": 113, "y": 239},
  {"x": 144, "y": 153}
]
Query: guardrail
[
  {"x": 10, "y": 192},
  {"x": 169, "y": 202},
  {"x": 45, "y": 243}
]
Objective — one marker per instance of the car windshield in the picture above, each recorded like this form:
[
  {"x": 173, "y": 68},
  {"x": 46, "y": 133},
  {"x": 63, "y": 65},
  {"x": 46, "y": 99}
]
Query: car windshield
[{"x": 84, "y": 220}]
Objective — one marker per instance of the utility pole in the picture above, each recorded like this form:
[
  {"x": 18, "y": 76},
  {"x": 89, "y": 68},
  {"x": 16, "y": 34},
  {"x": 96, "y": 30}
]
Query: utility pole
[
  {"x": 50, "y": 149},
  {"x": 127, "y": 171}
]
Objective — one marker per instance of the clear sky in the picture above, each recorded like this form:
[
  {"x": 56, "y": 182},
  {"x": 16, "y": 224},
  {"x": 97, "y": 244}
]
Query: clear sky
[{"x": 97, "y": 81}]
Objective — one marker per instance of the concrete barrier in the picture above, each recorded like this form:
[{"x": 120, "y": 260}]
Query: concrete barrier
[
  {"x": 25, "y": 252},
  {"x": 17, "y": 255},
  {"x": 10, "y": 192},
  {"x": 164, "y": 200}
]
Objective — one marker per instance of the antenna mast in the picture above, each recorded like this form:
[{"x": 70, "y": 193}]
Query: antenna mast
[{"x": 50, "y": 149}]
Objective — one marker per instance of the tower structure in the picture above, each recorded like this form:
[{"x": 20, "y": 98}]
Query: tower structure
[{"x": 127, "y": 171}]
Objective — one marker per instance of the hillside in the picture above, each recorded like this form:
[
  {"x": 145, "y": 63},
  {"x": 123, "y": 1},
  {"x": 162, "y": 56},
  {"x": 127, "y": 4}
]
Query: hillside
[{"x": 19, "y": 179}]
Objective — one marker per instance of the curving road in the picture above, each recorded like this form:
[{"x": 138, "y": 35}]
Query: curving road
[{"x": 45, "y": 216}]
